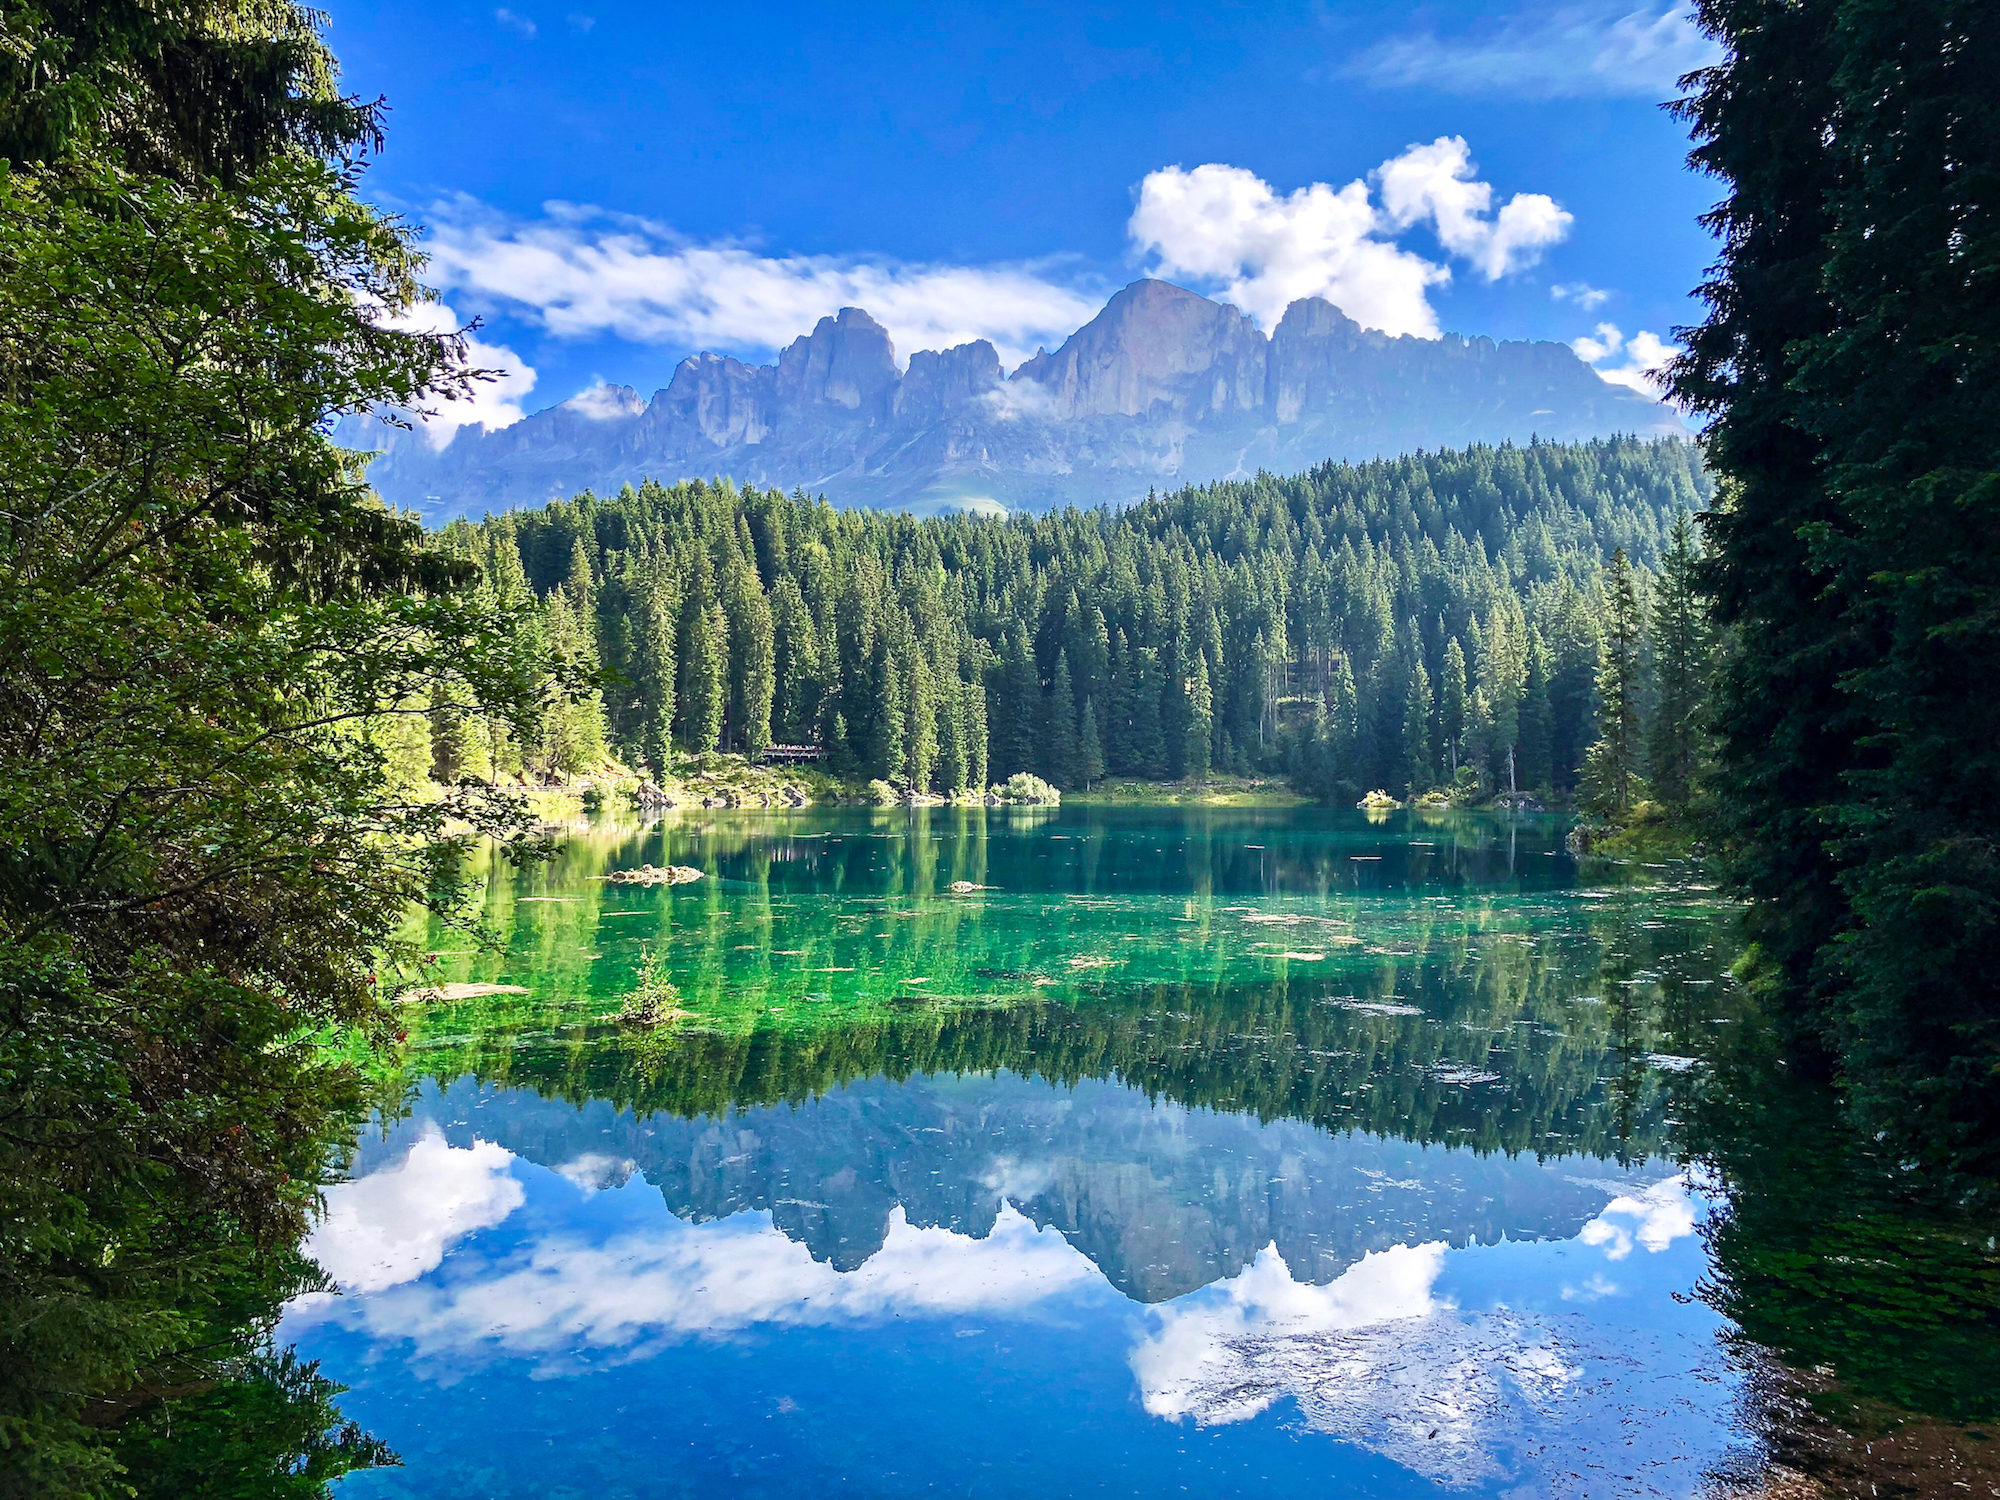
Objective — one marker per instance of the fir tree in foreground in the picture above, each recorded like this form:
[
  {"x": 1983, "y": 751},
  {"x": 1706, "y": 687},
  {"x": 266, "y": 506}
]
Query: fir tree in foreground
[
  {"x": 1850, "y": 363},
  {"x": 216, "y": 651}
]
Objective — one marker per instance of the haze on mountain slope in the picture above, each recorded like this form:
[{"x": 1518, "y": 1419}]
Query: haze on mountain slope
[{"x": 1162, "y": 388}]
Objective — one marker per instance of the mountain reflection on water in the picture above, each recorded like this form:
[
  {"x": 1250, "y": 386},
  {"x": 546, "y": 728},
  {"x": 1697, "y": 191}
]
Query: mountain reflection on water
[{"x": 1232, "y": 1153}]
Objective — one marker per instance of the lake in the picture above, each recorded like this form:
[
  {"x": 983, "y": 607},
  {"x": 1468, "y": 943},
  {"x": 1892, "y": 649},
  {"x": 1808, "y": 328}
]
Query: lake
[{"x": 1124, "y": 1151}]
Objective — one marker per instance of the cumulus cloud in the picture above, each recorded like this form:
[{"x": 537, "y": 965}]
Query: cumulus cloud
[
  {"x": 395, "y": 1224},
  {"x": 1564, "y": 52},
  {"x": 515, "y": 22},
  {"x": 1435, "y": 184},
  {"x": 1226, "y": 226},
  {"x": 493, "y": 402},
  {"x": 1634, "y": 362},
  {"x": 581, "y": 272}
]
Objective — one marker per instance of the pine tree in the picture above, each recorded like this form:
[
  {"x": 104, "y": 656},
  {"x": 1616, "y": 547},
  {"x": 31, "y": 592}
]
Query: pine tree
[
  {"x": 1061, "y": 759},
  {"x": 1419, "y": 771},
  {"x": 703, "y": 694},
  {"x": 1452, "y": 705},
  {"x": 1614, "y": 764},
  {"x": 1681, "y": 669},
  {"x": 654, "y": 667},
  {"x": 920, "y": 733},
  {"x": 1200, "y": 722},
  {"x": 887, "y": 718},
  {"x": 1090, "y": 748}
]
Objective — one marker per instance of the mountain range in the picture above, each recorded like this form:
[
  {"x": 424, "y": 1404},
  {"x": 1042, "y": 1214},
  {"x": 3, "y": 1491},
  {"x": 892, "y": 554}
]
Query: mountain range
[{"x": 1163, "y": 387}]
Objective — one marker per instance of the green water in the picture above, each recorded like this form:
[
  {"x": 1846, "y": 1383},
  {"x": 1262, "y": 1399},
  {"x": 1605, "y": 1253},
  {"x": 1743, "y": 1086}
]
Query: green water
[{"x": 1221, "y": 1151}]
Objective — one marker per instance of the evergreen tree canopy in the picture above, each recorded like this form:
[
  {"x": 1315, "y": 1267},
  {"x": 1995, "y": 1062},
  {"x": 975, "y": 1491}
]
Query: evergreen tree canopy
[
  {"x": 1850, "y": 363},
  {"x": 1203, "y": 629}
]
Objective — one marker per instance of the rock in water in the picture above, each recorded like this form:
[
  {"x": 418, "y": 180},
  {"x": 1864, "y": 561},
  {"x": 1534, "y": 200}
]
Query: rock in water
[{"x": 655, "y": 875}]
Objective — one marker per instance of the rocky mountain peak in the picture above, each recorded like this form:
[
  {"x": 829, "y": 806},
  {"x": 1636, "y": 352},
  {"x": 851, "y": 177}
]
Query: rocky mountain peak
[
  {"x": 1162, "y": 387},
  {"x": 1143, "y": 348},
  {"x": 847, "y": 360}
]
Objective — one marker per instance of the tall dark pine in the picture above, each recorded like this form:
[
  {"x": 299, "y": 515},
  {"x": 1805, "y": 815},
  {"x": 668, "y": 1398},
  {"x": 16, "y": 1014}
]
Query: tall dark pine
[
  {"x": 1614, "y": 762},
  {"x": 1851, "y": 365},
  {"x": 1060, "y": 752},
  {"x": 1680, "y": 670}
]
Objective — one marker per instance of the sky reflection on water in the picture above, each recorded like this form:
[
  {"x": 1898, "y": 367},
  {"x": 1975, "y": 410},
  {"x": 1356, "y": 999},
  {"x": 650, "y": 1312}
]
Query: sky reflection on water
[{"x": 1138, "y": 1240}]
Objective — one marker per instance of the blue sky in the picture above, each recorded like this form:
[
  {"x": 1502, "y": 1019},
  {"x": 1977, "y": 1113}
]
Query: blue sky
[{"x": 610, "y": 187}]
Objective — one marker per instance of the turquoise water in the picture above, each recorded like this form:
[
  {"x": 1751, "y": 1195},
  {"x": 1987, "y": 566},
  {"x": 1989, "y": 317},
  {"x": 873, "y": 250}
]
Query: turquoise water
[{"x": 1193, "y": 1151}]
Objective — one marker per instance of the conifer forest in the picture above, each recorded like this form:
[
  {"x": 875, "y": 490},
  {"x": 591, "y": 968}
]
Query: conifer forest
[{"x": 1429, "y": 622}]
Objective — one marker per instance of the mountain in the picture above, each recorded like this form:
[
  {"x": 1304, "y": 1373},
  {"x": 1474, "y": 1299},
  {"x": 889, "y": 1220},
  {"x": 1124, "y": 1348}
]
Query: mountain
[{"x": 1164, "y": 387}]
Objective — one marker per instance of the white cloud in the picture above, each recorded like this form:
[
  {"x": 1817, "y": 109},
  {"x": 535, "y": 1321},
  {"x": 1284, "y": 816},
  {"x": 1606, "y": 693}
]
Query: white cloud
[
  {"x": 1566, "y": 52},
  {"x": 604, "y": 401},
  {"x": 1654, "y": 1220},
  {"x": 395, "y": 1224},
  {"x": 1196, "y": 1361},
  {"x": 581, "y": 272},
  {"x": 1435, "y": 184},
  {"x": 638, "y": 1292},
  {"x": 515, "y": 22},
  {"x": 1225, "y": 225},
  {"x": 492, "y": 403},
  {"x": 1582, "y": 293},
  {"x": 1222, "y": 224},
  {"x": 1632, "y": 362}
]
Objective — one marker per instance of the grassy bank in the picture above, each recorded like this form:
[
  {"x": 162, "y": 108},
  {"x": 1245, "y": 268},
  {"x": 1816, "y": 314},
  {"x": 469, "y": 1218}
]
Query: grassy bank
[{"x": 1207, "y": 791}]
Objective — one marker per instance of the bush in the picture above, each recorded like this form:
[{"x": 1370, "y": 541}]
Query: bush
[{"x": 1025, "y": 790}]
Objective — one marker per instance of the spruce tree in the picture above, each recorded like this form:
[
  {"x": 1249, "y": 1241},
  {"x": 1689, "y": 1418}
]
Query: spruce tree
[
  {"x": 1090, "y": 748},
  {"x": 1681, "y": 647},
  {"x": 1146, "y": 749},
  {"x": 920, "y": 735},
  {"x": 973, "y": 699},
  {"x": 1503, "y": 679},
  {"x": 888, "y": 722},
  {"x": 1200, "y": 726},
  {"x": 1452, "y": 706},
  {"x": 1537, "y": 739},
  {"x": 1615, "y": 762},
  {"x": 703, "y": 693},
  {"x": 1060, "y": 761},
  {"x": 1419, "y": 771},
  {"x": 655, "y": 667},
  {"x": 1344, "y": 730},
  {"x": 1850, "y": 364}
]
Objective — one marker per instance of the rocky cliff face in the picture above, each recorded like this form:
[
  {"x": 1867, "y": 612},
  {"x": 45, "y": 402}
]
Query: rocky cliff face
[{"x": 1163, "y": 387}]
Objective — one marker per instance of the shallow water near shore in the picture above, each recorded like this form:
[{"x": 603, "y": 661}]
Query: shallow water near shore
[{"x": 1087, "y": 1152}]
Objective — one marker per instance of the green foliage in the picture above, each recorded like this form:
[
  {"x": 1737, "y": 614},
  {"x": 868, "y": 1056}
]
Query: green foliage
[
  {"x": 1206, "y": 630},
  {"x": 1850, "y": 363},
  {"x": 222, "y": 665}
]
